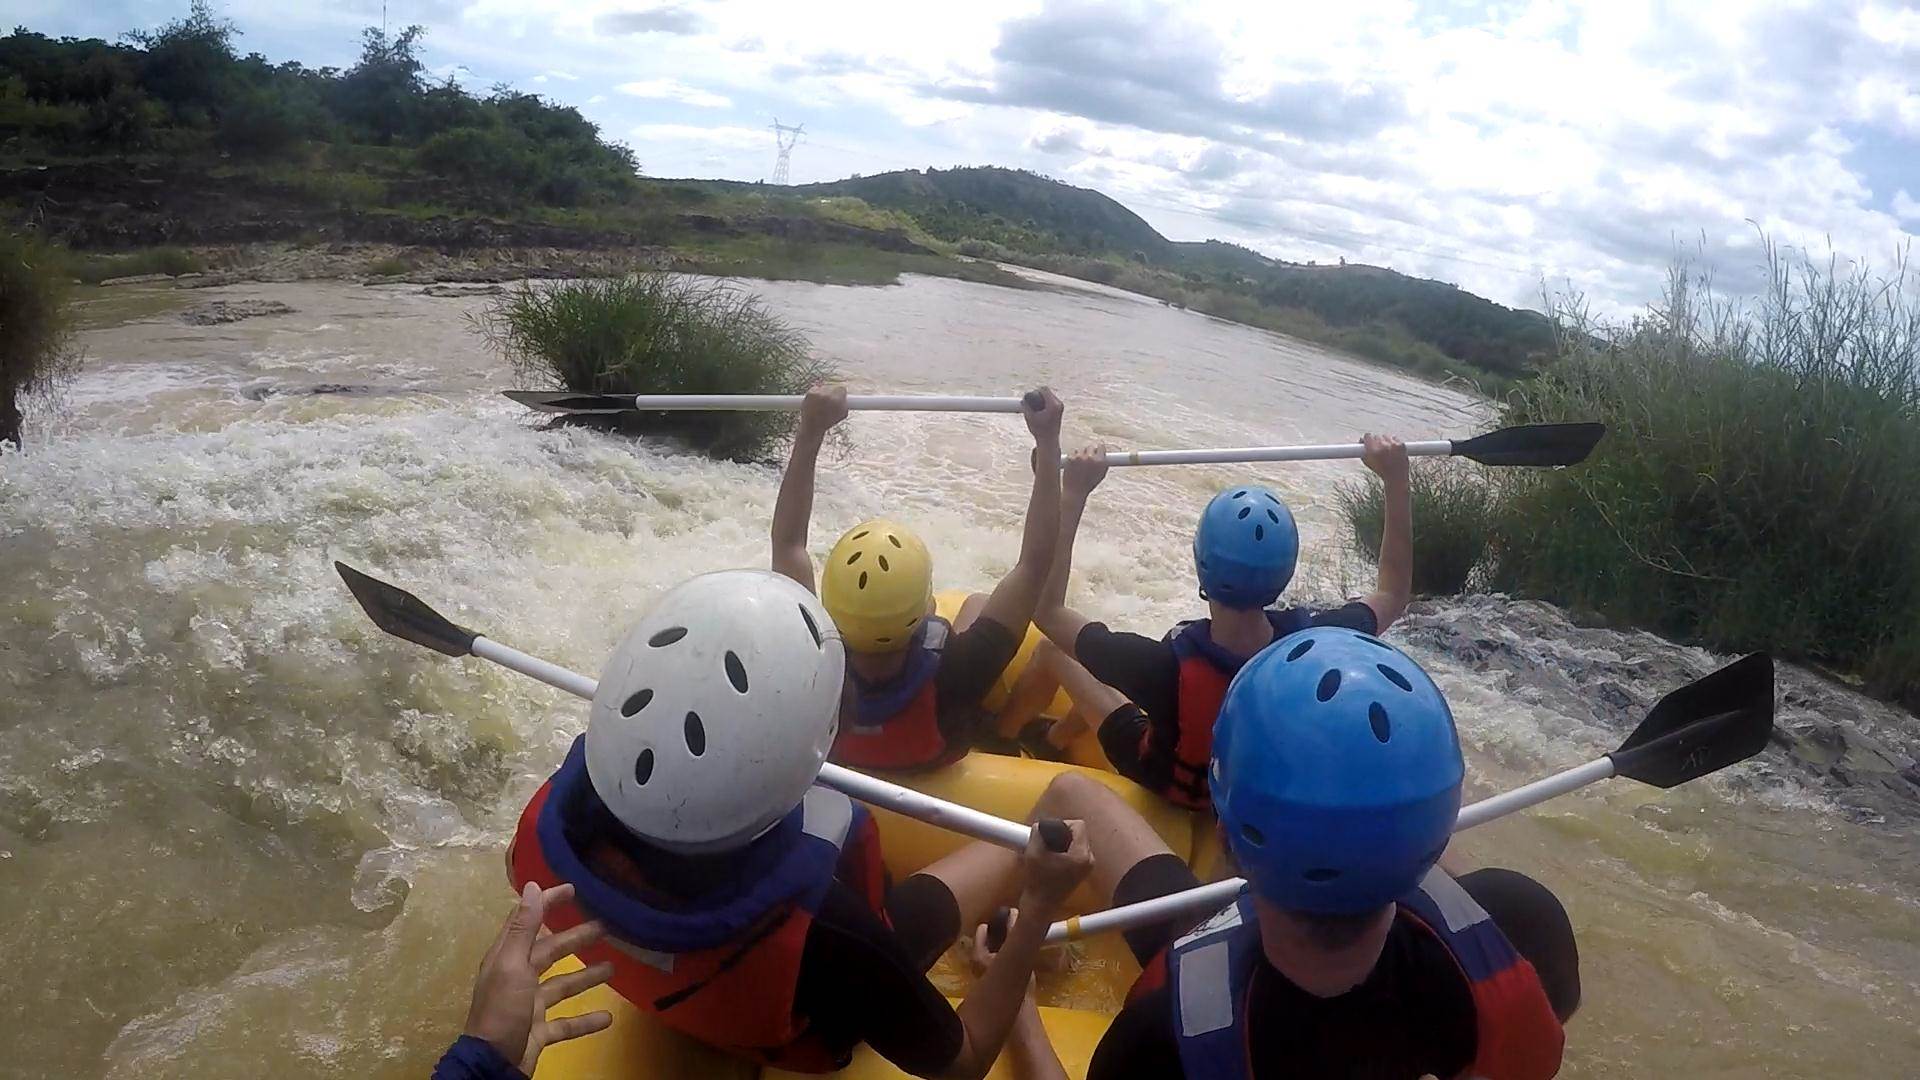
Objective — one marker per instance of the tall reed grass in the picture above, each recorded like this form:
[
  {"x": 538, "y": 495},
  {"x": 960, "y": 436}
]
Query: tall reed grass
[
  {"x": 652, "y": 333},
  {"x": 1759, "y": 485}
]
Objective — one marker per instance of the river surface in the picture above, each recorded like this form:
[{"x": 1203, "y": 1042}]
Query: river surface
[{"x": 244, "y": 834}]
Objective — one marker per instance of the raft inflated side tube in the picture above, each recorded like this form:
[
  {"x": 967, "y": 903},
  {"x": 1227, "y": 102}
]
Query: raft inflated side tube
[
  {"x": 1008, "y": 787},
  {"x": 1074, "y": 1034}
]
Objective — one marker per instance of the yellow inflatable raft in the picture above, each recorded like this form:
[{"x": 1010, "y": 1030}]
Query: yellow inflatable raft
[{"x": 1076, "y": 1005}]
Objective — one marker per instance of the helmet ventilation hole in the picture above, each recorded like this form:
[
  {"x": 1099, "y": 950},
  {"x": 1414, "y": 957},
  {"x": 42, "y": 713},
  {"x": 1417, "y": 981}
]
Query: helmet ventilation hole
[
  {"x": 1374, "y": 641},
  {"x": 1321, "y": 874},
  {"x": 812, "y": 627},
  {"x": 635, "y": 703},
  {"x": 667, "y": 637},
  {"x": 1270, "y": 498},
  {"x": 1395, "y": 678},
  {"x": 1253, "y": 836},
  {"x": 1241, "y": 494},
  {"x": 736, "y": 672},
  {"x": 1259, "y": 532},
  {"x": 883, "y": 562},
  {"x": 883, "y": 641},
  {"x": 696, "y": 734},
  {"x": 863, "y": 579},
  {"x": 1273, "y": 517},
  {"x": 643, "y": 768},
  {"x": 1300, "y": 650},
  {"x": 1329, "y": 685},
  {"x": 1242, "y": 515},
  {"x": 854, "y": 558},
  {"x": 1377, "y": 716},
  {"x": 859, "y": 534},
  {"x": 895, "y": 541}
]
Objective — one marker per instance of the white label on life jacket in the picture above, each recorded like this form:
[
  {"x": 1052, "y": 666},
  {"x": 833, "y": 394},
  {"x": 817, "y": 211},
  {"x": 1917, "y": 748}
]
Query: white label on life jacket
[
  {"x": 659, "y": 961},
  {"x": 1206, "y": 994}
]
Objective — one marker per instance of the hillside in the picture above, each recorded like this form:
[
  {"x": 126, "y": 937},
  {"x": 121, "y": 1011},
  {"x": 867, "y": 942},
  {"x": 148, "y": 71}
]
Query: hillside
[
  {"x": 173, "y": 137},
  {"x": 1022, "y": 217}
]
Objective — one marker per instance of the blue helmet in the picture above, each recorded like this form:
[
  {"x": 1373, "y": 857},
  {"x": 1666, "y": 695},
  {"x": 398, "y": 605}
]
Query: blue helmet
[
  {"x": 1245, "y": 548},
  {"x": 1336, "y": 772}
]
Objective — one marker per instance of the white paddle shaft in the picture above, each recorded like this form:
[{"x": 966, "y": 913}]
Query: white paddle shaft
[
  {"x": 855, "y": 402},
  {"x": 1216, "y": 895},
  {"x": 917, "y": 805},
  {"x": 1225, "y": 454}
]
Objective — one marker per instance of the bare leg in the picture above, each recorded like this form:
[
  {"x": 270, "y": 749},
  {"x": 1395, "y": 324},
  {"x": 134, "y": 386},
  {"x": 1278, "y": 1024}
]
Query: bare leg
[
  {"x": 1093, "y": 700},
  {"x": 970, "y": 610},
  {"x": 982, "y": 877},
  {"x": 1032, "y": 692}
]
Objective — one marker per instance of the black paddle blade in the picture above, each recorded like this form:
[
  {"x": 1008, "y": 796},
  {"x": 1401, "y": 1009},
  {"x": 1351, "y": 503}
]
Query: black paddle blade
[
  {"x": 1703, "y": 727},
  {"x": 405, "y": 615},
  {"x": 577, "y": 404},
  {"x": 1532, "y": 444}
]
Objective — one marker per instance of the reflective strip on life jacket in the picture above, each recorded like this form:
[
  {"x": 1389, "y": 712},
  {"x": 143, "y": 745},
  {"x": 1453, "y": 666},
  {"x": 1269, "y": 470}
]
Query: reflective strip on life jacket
[
  {"x": 1517, "y": 1035},
  {"x": 1209, "y": 971}
]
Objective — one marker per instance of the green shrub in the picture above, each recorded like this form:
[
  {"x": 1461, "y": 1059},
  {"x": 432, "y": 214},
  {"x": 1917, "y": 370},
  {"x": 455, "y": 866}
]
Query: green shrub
[
  {"x": 1759, "y": 486},
  {"x": 36, "y": 326},
  {"x": 654, "y": 333},
  {"x": 1453, "y": 523}
]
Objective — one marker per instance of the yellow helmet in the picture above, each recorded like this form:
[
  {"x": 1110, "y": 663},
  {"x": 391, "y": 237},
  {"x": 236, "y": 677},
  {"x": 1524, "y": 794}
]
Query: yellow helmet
[{"x": 878, "y": 586}]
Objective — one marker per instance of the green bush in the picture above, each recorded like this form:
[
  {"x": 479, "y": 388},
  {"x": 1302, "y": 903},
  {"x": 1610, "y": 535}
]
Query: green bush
[
  {"x": 36, "y": 326},
  {"x": 1453, "y": 523},
  {"x": 1759, "y": 486},
  {"x": 654, "y": 333}
]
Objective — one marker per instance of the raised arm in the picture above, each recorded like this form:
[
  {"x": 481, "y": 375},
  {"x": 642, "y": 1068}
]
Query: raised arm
[
  {"x": 1013, "y": 600},
  {"x": 1386, "y": 455},
  {"x": 824, "y": 407},
  {"x": 1062, "y": 625}
]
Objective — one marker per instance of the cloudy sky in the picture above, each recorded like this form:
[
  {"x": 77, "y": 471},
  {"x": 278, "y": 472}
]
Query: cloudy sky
[{"x": 1492, "y": 144}]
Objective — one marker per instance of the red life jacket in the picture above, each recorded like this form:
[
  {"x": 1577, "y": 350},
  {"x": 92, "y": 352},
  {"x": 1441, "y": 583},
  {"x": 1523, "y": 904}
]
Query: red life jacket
[
  {"x": 724, "y": 975},
  {"x": 1205, "y": 671},
  {"x": 1516, "y": 1037},
  {"x": 896, "y": 725}
]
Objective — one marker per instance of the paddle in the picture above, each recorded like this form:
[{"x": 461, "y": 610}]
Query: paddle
[
  {"x": 592, "y": 404},
  {"x": 1700, "y": 728},
  {"x": 1527, "y": 444},
  {"x": 407, "y": 617}
]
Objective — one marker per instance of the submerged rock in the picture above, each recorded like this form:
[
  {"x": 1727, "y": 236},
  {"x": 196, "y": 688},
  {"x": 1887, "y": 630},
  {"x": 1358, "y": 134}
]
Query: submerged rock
[
  {"x": 1828, "y": 738},
  {"x": 216, "y": 312}
]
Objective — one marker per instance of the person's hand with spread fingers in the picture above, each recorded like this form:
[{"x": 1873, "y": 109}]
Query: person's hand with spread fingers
[{"x": 507, "y": 1024}]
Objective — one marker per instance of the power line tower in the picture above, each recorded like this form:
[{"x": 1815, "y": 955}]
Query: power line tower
[{"x": 785, "y": 137}]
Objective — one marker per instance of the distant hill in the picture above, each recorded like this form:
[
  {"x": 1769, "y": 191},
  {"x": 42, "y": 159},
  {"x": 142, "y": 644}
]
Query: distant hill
[
  {"x": 1019, "y": 210},
  {"x": 1025, "y": 217}
]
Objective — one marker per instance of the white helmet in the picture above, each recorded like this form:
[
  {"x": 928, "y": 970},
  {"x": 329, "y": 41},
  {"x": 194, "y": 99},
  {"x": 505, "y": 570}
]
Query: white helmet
[{"x": 715, "y": 713}]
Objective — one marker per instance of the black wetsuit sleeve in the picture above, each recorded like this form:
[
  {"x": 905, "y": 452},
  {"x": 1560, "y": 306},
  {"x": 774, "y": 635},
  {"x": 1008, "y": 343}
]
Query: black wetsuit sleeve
[
  {"x": 1534, "y": 920},
  {"x": 969, "y": 666},
  {"x": 1355, "y": 615},
  {"x": 857, "y": 984},
  {"x": 1144, "y": 669},
  {"x": 1139, "y": 1044}
]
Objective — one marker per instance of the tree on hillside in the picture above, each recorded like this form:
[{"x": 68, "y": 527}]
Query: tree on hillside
[
  {"x": 36, "y": 327},
  {"x": 382, "y": 93},
  {"x": 188, "y": 63}
]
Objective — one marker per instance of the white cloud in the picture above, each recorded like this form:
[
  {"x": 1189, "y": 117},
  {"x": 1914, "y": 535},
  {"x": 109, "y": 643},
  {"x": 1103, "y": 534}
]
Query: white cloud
[
  {"x": 1489, "y": 143},
  {"x": 1906, "y": 207},
  {"x": 561, "y": 75},
  {"x": 670, "y": 90}
]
